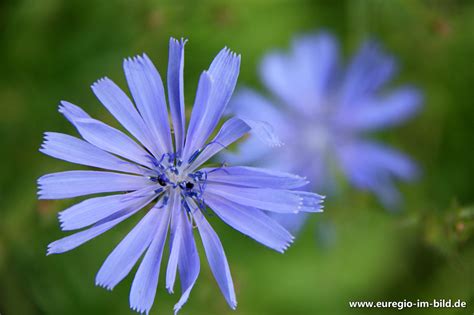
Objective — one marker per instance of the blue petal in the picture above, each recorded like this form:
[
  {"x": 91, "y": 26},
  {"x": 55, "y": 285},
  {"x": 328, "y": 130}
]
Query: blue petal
[
  {"x": 194, "y": 138},
  {"x": 112, "y": 140},
  {"x": 230, "y": 131},
  {"x": 142, "y": 293},
  {"x": 276, "y": 200},
  {"x": 175, "y": 239},
  {"x": 72, "y": 241},
  {"x": 383, "y": 112},
  {"x": 369, "y": 70},
  {"x": 176, "y": 90},
  {"x": 216, "y": 258},
  {"x": 223, "y": 71},
  {"x": 104, "y": 136},
  {"x": 72, "y": 149},
  {"x": 302, "y": 78},
  {"x": 72, "y": 112},
  {"x": 146, "y": 86},
  {"x": 120, "y": 106},
  {"x": 251, "y": 222},
  {"x": 93, "y": 210},
  {"x": 254, "y": 177},
  {"x": 188, "y": 262},
  {"x": 78, "y": 183},
  {"x": 372, "y": 167},
  {"x": 122, "y": 259}
]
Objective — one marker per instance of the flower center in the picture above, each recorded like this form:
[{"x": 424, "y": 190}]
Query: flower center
[{"x": 168, "y": 174}]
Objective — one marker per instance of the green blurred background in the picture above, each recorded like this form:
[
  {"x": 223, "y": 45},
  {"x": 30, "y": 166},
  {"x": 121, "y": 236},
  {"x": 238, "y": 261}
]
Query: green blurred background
[{"x": 52, "y": 50}]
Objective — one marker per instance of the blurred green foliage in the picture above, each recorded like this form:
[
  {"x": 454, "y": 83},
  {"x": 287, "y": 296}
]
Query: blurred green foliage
[{"x": 52, "y": 50}]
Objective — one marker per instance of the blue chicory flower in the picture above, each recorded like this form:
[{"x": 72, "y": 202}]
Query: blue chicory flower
[
  {"x": 323, "y": 112},
  {"x": 166, "y": 173}
]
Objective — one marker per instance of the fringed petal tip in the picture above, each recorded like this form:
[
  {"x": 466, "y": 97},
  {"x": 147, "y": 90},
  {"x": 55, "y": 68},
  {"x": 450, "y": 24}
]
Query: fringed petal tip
[
  {"x": 62, "y": 107},
  {"x": 139, "y": 60},
  {"x": 108, "y": 287},
  {"x": 53, "y": 248},
  {"x": 231, "y": 53},
  {"x": 41, "y": 194},
  {"x": 178, "y": 307},
  {"x": 304, "y": 179},
  {"x": 310, "y": 202},
  {"x": 103, "y": 80},
  {"x": 49, "y": 250},
  {"x": 140, "y": 310},
  {"x": 71, "y": 111},
  {"x": 287, "y": 245},
  {"x": 103, "y": 283},
  {"x": 65, "y": 225},
  {"x": 46, "y": 141},
  {"x": 62, "y": 221},
  {"x": 226, "y": 57},
  {"x": 182, "y": 41}
]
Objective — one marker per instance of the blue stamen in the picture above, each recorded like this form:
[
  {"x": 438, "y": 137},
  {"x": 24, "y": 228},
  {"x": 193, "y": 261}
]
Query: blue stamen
[
  {"x": 164, "y": 202},
  {"x": 194, "y": 156},
  {"x": 186, "y": 206},
  {"x": 153, "y": 160},
  {"x": 198, "y": 176},
  {"x": 196, "y": 153},
  {"x": 223, "y": 165}
]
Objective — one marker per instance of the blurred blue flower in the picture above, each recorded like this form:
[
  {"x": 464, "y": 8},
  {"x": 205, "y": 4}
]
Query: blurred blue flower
[
  {"x": 323, "y": 110},
  {"x": 168, "y": 172}
]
